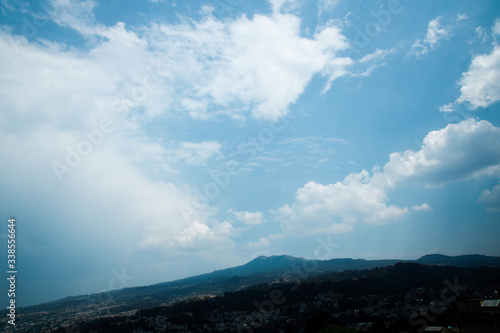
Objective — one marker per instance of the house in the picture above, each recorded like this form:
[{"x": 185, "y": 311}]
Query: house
[
  {"x": 490, "y": 306},
  {"x": 439, "y": 329},
  {"x": 479, "y": 315}
]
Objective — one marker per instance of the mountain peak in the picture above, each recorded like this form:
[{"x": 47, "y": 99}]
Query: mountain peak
[
  {"x": 433, "y": 256},
  {"x": 275, "y": 257},
  {"x": 275, "y": 261}
]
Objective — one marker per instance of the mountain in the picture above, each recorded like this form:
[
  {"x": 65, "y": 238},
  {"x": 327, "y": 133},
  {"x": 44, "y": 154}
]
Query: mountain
[
  {"x": 472, "y": 260},
  {"x": 281, "y": 265},
  {"x": 387, "y": 296},
  {"x": 262, "y": 270},
  {"x": 273, "y": 265},
  {"x": 265, "y": 270}
]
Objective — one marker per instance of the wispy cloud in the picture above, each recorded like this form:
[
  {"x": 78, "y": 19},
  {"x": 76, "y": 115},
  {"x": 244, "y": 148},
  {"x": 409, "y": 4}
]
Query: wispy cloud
[
  {"x": 461, "y": 17},
  {"x": 490, "y": 199},
  {"x": 373, "y": 60},
  {"x": 194, "y": 153},
  {"x": 435, "y": 33},
  {"x": 325, "y": 7}
]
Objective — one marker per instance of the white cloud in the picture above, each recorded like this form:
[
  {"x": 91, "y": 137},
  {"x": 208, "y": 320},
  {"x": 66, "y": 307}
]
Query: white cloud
[
  {"x": 491, "y": 199},
  {"x": 374, "y": 60},
  {"x": 496, "y": 27},
  {"x": 265, "y": 241},
  {"x": 279, "y": 6},
  {"x": 480, "y": 85},
  {"x": 435, "y": 33},
  {"x": 250, "y": 218},
  {"x": 481, "y": 34},
  {"x": 105, "y": 196},
  {"x": 335, "y": 208},
  {"x": 461, "y": 17},
  {"x": 193, "y": 236},
  {"x": 276, "y": 236},
  {"x": 470, "y": 149},
  {"x": 378, "y": 54},
  {"x": 457, "y": 152},
  {"x": 326, "y": 7},
  {"x": 423, "y": 207},
  {"x": 206, "y": 68},
  {"x": 78, "y": 15},
  {"x": 194, "y": 153},
  {"x": 259, "y": 66},
  {"x": 447, "y": 108},
  {"x": 262, "y": 242},
  {"x": 66, "y": 93}
]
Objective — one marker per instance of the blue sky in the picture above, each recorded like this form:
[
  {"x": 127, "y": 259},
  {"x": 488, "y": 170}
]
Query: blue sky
[{"x": 145, "y": 141}]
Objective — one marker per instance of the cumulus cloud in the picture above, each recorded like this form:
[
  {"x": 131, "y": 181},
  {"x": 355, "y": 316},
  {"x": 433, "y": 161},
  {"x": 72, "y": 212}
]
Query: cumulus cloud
[
  {"x": 194, "y": 235},
  {"x": 258, "y": 66},
  {"x": 460, "y": 151},
  {"x": 202, "y": 68},
  {"x": 250, "y": 218},
  {"x": 470, "y": 149},
  {"x": 206, "y": 68},
  {"x": 480, "y": 85},
  {"x": 435, "y": 33},
  {"x": 335, "y": 208},
  {"x": 423, "y": 207},
  {"x": 134, "y": 221},
  {"x": 262, "y": 242}
]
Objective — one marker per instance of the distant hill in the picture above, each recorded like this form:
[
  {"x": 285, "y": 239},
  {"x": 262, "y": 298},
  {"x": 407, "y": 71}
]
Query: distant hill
[
  {"x": 261, "y": 270},
  {"x": 221, "y": 300},
  {"x": 472, "y": 260},
  {"x": 281, "y": 265}
]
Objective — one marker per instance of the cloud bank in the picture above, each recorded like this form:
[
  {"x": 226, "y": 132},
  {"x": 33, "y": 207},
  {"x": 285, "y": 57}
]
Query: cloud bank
[{"x": 470, "y": 149}]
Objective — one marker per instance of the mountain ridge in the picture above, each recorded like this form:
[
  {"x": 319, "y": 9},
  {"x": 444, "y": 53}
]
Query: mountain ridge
[
  {"x": 266, "y": 269},
  {"x": 223, "y": 292}
]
